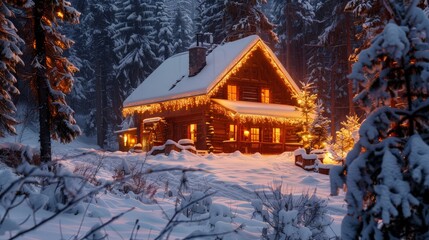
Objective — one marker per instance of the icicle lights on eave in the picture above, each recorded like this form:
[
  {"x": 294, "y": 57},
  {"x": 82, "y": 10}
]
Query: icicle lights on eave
[{"x": 267, "y": 53}]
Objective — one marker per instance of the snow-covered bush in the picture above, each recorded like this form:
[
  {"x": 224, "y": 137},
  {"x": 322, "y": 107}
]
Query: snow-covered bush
[
  {"x": 133, "y": 181},
  {"x": 57, "y": 190},
  {"x": 195, "y": 203},
  {"x": 219, "y": 213},
  {"x": 387, "y": 175},
  {"x": 291, "y": 217}
]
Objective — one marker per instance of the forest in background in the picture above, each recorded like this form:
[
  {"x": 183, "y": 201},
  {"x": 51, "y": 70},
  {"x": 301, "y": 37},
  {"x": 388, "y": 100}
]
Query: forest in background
[{"x": 119, "y": 43}]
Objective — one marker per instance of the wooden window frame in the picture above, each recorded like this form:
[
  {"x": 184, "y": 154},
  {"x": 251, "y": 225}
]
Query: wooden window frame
[
  {"x": 277, "y": 135},
  {"x": 232, "y": 133},
  {"x": 255, "y": 134},
  {"x": 193, "y": 131},
  {"x": 232, "y": 92},
  {"x": 264, "y": 97}
]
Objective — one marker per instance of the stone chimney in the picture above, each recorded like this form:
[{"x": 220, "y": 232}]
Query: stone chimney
[{"x": 197, "y": 56}]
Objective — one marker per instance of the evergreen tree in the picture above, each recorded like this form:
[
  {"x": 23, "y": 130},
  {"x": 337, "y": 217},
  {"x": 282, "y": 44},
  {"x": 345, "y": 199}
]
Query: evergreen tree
[
  {"x": 328, "y": 64},
  {"x": 134, "y": 38},
  {"x": 163, "y": 31},
  {"x": 244, "y": 18},
  {"x": 182, "y": 28},
  {"x": 387, "y": 172},
  {"x": 9, "y": 58},
  {"x": 347, "y": 136},
  {"x": 107, "y": 91},
  {"x": 319, "y": 128},
  {"x": 54, "y": 73},
  {"x": 292, "y": 19},
  {"x": 213, "y": 21},
  {"x": 306, "y": 106},
  {"x": 199, "y": 16}
]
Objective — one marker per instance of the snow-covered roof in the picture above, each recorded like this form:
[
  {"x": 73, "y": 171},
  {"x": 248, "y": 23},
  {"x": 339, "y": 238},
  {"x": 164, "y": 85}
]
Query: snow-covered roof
[
  {"x": 261, "y": 109},
  {"x": 171, "y": 81}
]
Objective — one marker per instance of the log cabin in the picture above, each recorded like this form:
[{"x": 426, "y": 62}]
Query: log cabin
[{"x": 235, "y": 96}]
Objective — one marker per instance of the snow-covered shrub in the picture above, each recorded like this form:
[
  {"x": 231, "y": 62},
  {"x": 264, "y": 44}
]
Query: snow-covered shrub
[
  {"x": 219, "y": 213},
  {"x": 387, "y": 175},
  {"x": 13, "y": 154},
  {"x": 133, "y": 179},
  {"x": 291, "y": 217},
  {"x": 62, "y": 189},
  {"x": 196, "y": 202},
  {"x": 95, "y": 233},
  {"x": 87, "y": 171}
]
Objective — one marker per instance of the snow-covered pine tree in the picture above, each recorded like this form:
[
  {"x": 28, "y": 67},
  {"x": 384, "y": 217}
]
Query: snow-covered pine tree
[
  {"x": 292, "y": 19},
  {"x": 328, "y": 65},
  {"x": 199, "y": 16},
  {"x": 134, "y": 38},
  {"x": 319, "y": 128},
  {"x": 163, "y": 31},
  {"x": 306, "y": 106},
  {"x": 371, "y": 17},
  {"x": 54, "y": 73},
  {"x": 387, "y": 170},
  {"x": 182, "y": 27},
  {"x": 346, "y": 137},
  {"x": 79, "y": 56},
  {"x": 9, "y": 58},
  {"x": 108, "y": 92},
  {"x": 213, "y": 21},
  {"x": 244, "y": 18}
]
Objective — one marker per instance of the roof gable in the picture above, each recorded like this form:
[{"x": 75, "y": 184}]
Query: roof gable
[{"x": 171, "y": 81}]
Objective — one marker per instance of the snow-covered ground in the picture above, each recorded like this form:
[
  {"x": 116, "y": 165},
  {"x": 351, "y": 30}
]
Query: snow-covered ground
[{"x": 233, "y": 177}]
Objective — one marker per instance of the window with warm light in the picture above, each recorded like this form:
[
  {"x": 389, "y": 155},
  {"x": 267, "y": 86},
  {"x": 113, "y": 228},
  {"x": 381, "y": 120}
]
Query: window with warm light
[
  {"x": 232, "y": 132},
  {"x": 125, "y": 139},
  {"x": 192, "y": 132},
  {"x": 232, "y": 93},
  {"x": 276, "y": 135},
  {"x": 254, "y": 134},
  {"x": 265, "y": 95}
]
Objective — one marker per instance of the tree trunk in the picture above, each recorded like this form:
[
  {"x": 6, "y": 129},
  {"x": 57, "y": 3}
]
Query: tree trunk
[
  {"x": 42, "y": 85},
  {"x": 349, "y": 64},
  {"x": 99, "y": 106}
]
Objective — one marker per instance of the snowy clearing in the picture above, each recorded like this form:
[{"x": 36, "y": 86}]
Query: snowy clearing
[{"x": 233, "y": 177}]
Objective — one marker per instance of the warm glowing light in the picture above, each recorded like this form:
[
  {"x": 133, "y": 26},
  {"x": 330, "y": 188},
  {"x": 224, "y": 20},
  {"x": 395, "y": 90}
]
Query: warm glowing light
[
  {"x": 265, "y": 95},
  {"x": 254, "y": 119},
  {"x": 125, "y": 139},
  {"x": 232, "y": 93},
  {"x": 172, "y": 105},
  {"x": 246, "y": 133},
  {"x": 259, "y": 45},
  {"x": 132, "y": 141},
  {"x": 60, "y": 14}
]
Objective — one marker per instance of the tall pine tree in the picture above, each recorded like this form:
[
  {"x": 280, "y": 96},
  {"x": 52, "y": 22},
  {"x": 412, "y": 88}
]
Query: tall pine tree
[
  {"x": 134, "y": 38},
  {"x": 244, "y": 18},
  {"x": 182, "y": 27},
  {"x": 163, "y": 31},
  {"x": 9, "y": 58},
  {"x": 387, "y": 172},
  {"x": 53, "y": 73}
]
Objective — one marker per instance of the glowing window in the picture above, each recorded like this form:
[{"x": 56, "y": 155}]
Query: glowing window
[
  {"x": 276, "y": 135},
  {"x": 192, "y": 132},
  {"x": 232, "y": 93},
  {"x": 232, "y": 132},
  {"x": 265, "y": 95},
  {"x": 254, "y": 134},
  {"x": 125, "y": 139}
]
